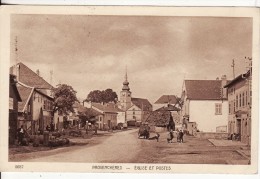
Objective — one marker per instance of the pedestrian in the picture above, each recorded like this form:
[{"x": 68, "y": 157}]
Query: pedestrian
[
  {"x": 48, "y": 128},
  {"x": 170, "y": 136},
  {"x": 20, "y": 135},
  {"x": 181, "y": 136}
]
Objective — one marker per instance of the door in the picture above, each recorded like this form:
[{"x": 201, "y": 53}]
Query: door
[
  {"x": 239, "y": 126},
  {"x": 109, "y": 123}
]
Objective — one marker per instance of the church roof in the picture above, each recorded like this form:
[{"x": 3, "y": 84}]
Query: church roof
[{"x": 143, "y": 104}]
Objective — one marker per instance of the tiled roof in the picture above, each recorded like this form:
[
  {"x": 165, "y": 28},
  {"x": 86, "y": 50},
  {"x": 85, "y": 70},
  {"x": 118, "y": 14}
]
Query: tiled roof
[
  {"x": 30, "y": 78},
  {"x": 168, "y": 108},
  {"x": 25, "y": 93},
  {"x": 109, "y": 108},
  {"x": 89, "y": 111},
  {"x": 203, "y": 89},
  {"x": 172, "y": 99},
  {"x": 143, "y": 104},
  {"x": 13, "y": 84},
  {"x": 237, "y": 79}
]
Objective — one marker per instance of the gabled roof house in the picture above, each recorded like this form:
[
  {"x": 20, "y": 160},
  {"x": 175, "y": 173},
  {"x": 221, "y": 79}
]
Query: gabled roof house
[{"x": 205, "y": 104}]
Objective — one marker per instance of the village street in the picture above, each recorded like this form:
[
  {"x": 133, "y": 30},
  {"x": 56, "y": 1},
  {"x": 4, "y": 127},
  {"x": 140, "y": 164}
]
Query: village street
[{"x": 125, "y": 147}]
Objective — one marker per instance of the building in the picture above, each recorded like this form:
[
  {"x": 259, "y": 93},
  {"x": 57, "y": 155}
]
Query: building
[
  {"x": 165, "y": 100},
  {"x": 135, "y": 108},
  {"x": 111, "y": 114},
  {"x": 175, "y": 113},
  {"x": 14, "y": 98},
  {"x": 205, "y": 105},
  {"x": 34, "y": 112},
  {"x": 239, "y": 106},
  {"x": 84, "y": 116}
]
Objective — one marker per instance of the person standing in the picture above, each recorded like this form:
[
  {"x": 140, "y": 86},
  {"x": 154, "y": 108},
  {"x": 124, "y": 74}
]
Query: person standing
[
  {"x": 170, "y": 137},
  {"x": 181, "y": 136},
  {"x": 20, "y": 135}
]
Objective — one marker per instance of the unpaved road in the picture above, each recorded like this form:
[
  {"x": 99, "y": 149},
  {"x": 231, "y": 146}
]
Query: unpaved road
[
  {"x": 121, "y": 147},
  {"x": 125, "y": 147}
]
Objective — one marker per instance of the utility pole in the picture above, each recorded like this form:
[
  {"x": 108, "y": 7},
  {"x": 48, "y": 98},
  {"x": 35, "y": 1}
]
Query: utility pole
[{"x": 233, "y": 66}]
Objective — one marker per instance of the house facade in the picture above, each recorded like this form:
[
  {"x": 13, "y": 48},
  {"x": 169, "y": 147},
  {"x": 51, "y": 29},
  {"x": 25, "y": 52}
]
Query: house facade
[
  {"x": 34, "y": 112},
  {"x": 111, "y": 114},
  {"x": 14, "y": 98},
  {"x": 239, "y": 107},
  {"x": 205, "y": 105}
]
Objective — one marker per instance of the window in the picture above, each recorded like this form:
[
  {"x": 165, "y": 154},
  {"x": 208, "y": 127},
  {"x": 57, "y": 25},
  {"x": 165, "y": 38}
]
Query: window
[
  {"x": 44, "y": 105},
  {"x": 218, "y": 109},
  {"x": 133, "y": 112},
  {"x": 246, "y": 99},
  {"x": 236, "y": 101},
  {"x": 240, "y": 100},
  {"x": 11, "y": 103},
  {"x": 29, "y": 108},
  {"x": 243, "y": 99},
  {"x": 234, "y": 106},
  {"x": 229, "y": 108}
]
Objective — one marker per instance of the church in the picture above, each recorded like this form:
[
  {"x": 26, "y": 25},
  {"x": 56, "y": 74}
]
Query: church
[{"x": 136, "y": 109}]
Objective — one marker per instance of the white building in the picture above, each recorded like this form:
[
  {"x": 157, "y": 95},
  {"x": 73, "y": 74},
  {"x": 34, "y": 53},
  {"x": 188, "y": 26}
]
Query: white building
[{"x": 205, "y": 105}]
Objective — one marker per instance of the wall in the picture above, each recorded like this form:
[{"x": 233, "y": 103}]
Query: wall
[
  {"x": 203, "y": 113},
  {"x": 211, "y": 135},
  {"x": 134, "y": 111},
  {"x": 121, "y": 117},
  {"x": 100, "y": 121},
  {"x": 38, "y": 103},
  {"x": 13, "y": 113},
  {"x": 237, "y": 106},
  {"x": 112, "y": 117}
]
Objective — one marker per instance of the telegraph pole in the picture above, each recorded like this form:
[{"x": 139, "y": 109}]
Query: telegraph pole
[{"x": 233, "y": 66}]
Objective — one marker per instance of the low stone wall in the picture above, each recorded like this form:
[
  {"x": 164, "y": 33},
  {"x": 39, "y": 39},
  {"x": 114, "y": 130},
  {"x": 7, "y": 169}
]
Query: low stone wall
[{"x": 211, "y": 135}]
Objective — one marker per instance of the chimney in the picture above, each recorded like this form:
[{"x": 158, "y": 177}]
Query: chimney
[
  {"x": 223, "y": 83},
  {"x": 38, "y": 72}
]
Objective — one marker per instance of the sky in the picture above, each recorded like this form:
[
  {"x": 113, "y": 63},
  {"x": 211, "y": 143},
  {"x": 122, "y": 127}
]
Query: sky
[{"x": 92, "y": 52}]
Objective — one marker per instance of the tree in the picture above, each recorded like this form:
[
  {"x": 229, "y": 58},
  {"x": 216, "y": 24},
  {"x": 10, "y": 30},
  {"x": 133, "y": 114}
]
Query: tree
[
  {"x": 104, "y": 96},
  {"x": 64, "y": 98}
]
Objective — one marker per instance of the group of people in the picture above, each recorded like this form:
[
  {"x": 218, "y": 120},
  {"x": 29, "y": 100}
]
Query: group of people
[{"x": 180, "y": 135}]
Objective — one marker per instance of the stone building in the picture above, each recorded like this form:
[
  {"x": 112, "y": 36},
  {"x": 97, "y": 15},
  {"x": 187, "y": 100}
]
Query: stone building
[{"x": 239, "y": 106}]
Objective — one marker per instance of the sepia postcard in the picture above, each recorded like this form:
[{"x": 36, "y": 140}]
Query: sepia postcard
[{"x": 129, "y": 89}]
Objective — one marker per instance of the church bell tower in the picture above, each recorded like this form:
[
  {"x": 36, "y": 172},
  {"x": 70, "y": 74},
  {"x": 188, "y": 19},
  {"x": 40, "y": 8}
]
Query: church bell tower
[{"x": 125, "y": 95}]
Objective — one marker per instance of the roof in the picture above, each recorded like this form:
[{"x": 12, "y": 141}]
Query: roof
[
  {"x": 30, "y": 78},
  {"x": 168, "y": 108},
  {"x": 25, "y": 93},
  {"x": 107, "y": 108},
  {"x": 172, "y": 99},
  {"x": 89, "y": 111},
  {"x": 143, "y": 104},
  {"x": 237, "y": 79},
  {"x": 203, "y": 89},
  {"x": 13, "y": 83}
]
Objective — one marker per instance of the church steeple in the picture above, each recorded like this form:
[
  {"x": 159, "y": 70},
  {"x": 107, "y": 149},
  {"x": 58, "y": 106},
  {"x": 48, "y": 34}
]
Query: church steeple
[
  {"x": 126, "y": 83},
  {"x": 125, "y": 94}
]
